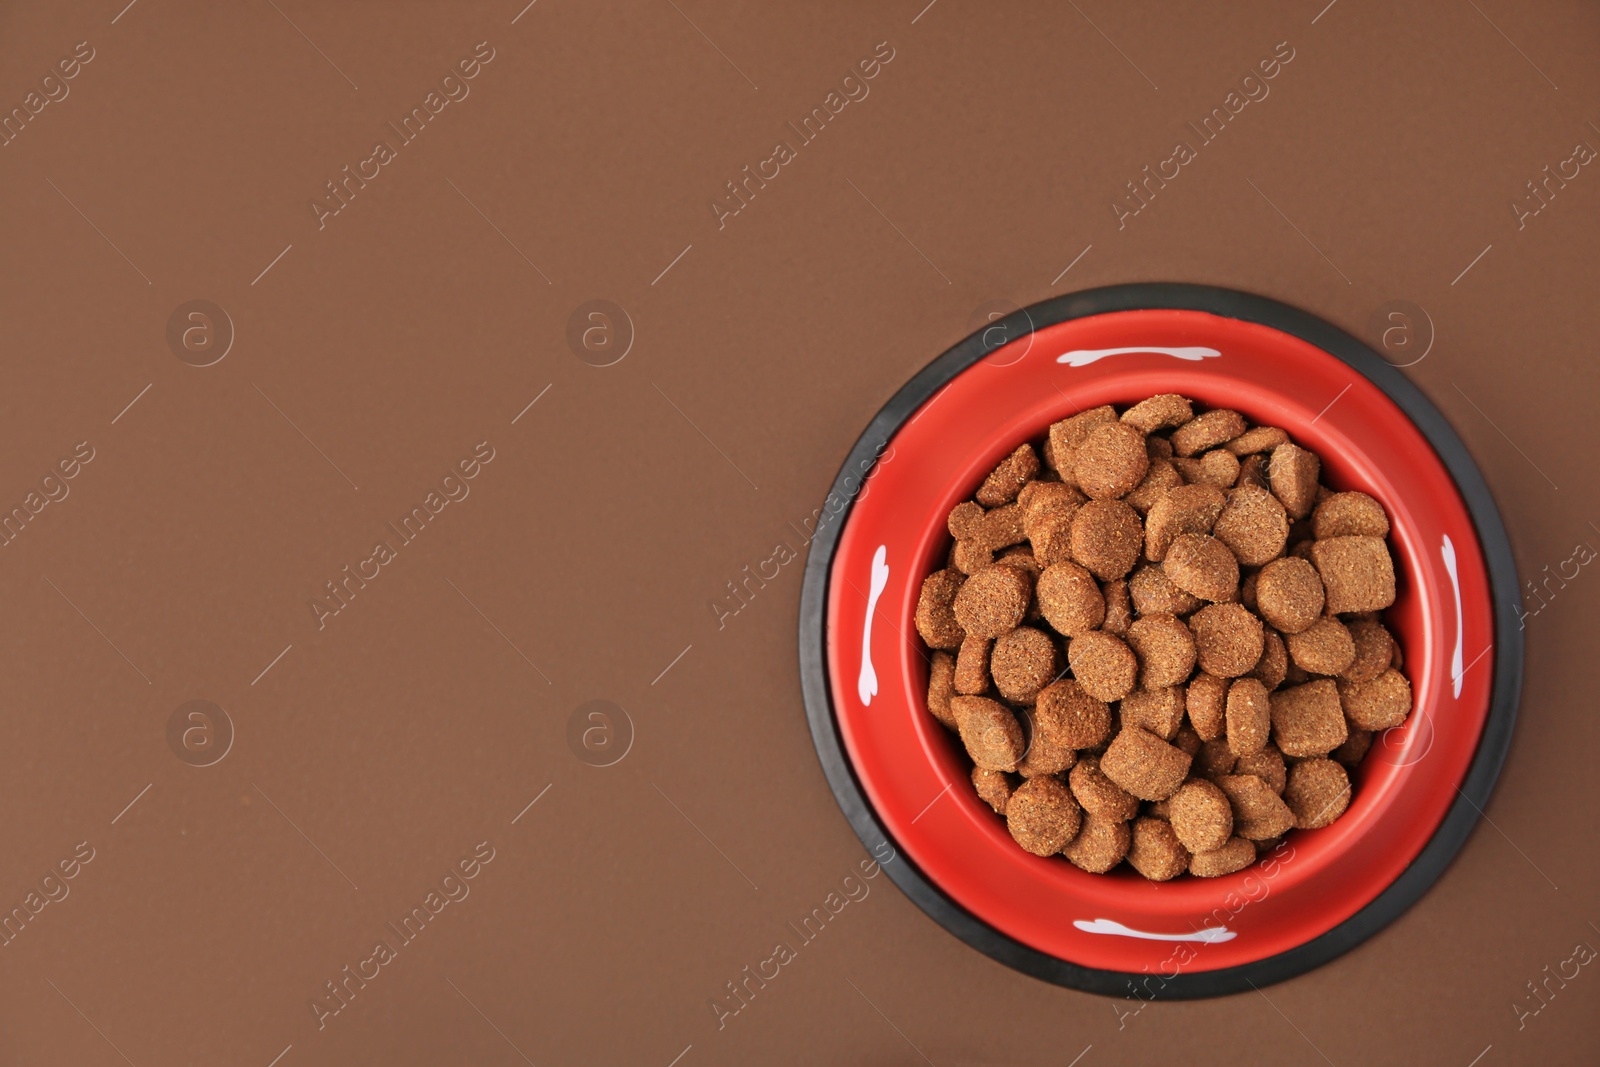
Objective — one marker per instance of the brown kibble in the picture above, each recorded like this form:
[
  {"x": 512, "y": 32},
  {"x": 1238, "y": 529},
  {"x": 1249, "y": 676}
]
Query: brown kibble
[
  {"x": 1006, "y": 481},
  {"x": 1201, "y": 816},
  {"x": 1188, "y": 741},
  {"x": 1164, "y": 647},
  {"x": 1206, "y": 700},
  {"x": 1266, "y": 765},
  {"x": 992, "y": 530},
  {"x": 991, "y": 734},
  {"x": 1374, "y": 651},
  {"x": 1202, "y": 566},
  {"x": 1119, "y": 607},
  {"x": 1100, "y": 845},
  {"x": 1160, "y": 477},
  {"x": 1110, "y": 461},
  {"x": 1247, "y": 589},
  {"x": 1215, "y": 758},
  {"x": 1153, "y": 593},
  {"x": 993, "y": 787},
  {"x": 1236, "y": 855},
  {"x": 1020, "y": 556},
  {"x": 969, "y": 557},
  {"x": 1260, "y": 439},
  {"x": 1227, "y": 638},
  {"x": 1253, "y": 471},
  {"x": 972, "y": 666},
  {"x": 1144, "y": 765},
  {"x": 1249, "y": 717},
  {"x": 1293, "y": 473},
  {"x": 1218, "y": 467},
  {"x": 1324, "y": 647},
  {"x": 1159, "y": 413},
  {"x": 1047, "y": 520},
  {"x": 1022, "y": 663},
  {"x": 941, "y": 687},
  {"x": 1102, "y": 664},
  {"x": 1098, "y": 794},
  {"x": 1207, "y": 431},
  {"x": 1158, "y": 710},
  {"x": 993, "y": 601},
  {"x": 1289, "y": 594},
  {"x": 1155, "y": 850},
  {"x": 1070, "y": 599},
  {"x": 1273, "y": 666},
  {"x": 1354, "y": 750},
  {"x": 1308, "y": 719},
  {"x": 1070, "y": 716},
  {"x": 1258, "y": 812},
  {"x": 1061, "y": 452},
  {"x": 1253, "y": 524},
  {"x": 935, "y": 616},
  {"x": 1180, "y": 510},
  {"x": 1157, "y": 448},
  {"x": 1379, "y": 704},
  {"x": 1356, "y": 572},
  {"x": 1046, "y": 753},
  {"x": 1042, "y": 816},
  {"x": 1106, "y": 536},
  {"x": 1349, "y": 515},
  {"x": 1317, "y": 792}
]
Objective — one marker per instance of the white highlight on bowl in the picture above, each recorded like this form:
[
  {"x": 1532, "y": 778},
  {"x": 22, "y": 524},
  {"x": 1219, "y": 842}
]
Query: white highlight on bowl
[
  {"x": 1082, "y": 357},
  {"x": 1448, "y": 551},
  {"x": 867, "y": 681},
  {"x": 1211, "y": 935}
]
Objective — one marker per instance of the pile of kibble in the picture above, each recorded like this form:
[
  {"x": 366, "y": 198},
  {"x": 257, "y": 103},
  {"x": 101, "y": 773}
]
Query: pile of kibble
[{"x": 1164, "y": 644}]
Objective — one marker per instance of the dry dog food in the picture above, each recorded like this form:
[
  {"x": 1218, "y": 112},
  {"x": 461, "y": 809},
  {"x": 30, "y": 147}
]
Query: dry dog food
[{"x": 1159, "y": 638}]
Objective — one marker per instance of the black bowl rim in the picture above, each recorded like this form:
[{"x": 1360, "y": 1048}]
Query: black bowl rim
[{"x": 1505, "y": 596}]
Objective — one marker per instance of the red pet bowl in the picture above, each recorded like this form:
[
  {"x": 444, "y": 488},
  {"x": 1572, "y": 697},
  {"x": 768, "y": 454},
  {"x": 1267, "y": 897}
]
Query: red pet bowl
[{"x": 901, "y": 777}]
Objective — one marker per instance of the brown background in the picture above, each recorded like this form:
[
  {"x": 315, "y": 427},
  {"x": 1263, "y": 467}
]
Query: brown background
[{"x": 416, "y": 724}]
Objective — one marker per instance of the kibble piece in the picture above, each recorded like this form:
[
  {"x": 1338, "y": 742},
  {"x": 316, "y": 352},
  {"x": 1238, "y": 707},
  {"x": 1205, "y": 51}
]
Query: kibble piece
[
  {"x": 993, "y": 601},
  {"x": 1098, "y": 794},
  {"x": 1354, "y": 750},
  {"x": 1349, "y": 515},
  {"x": 1067, "y": 713},
  {"x": 1201, "y": 816},
  {"x": 1153, "y": 593},
  {"x": 1102, "y": 664},
  {"x": 1160, "y": 477},
  {"x": 1006, "y": 480},
  {"x": 1022, "y": 663},
  {"x": 993, "y": 787},
  {"x": 1289, "y": 594},
  {"x": 1249, "y": 716},
  {"x": 1047, "y": 515},
  {"x": 1253, "y": 524},
  {"x": 1159, "y": 413},
  {"x": 1144, "y": 765},
  {"x": 1317, "y": 792},
  {"x": 1202, "y": 566},
  {"x": 1111, "y": 461},
  {"x": 991, "y": 734},
  {"x": 1051, "y": 748},
  {"x": 1020, "y": 556},
  {"x": 1308, "y": 720},
  {"x": 935, "y": 616},
  {"x": 1324, "y": 647},
  {"x": 1158, "y": 710},
  {"x": 1356, "y": 572},
  {"x": 1155, "y": 850},
  {"x": 1164, "y": 647},
  {"x": 941, "y": 687},
  {"x": 1157, "y": 447},
  {"x": 972, "y": 666},
  {"x": 1100, "y": 845},
  {"x": 1206, "y": 700},
  {"x": 1292, "y": 473},
  {"x": 1273, "y": 665},
  {"x": 1180, "y": 510},
  {"x": 969, "y": 557},
  {"x": 1258, "y": 812},
  {"x": 1227, "y": 639},
  {"x": 1061, "y": 452},
  {"x": 1236, "y": 855},
  {"x": 1379, "y": 704},
  {"x": 1217, "y": 467},
  {"x": 1247, "y": 589},
  {"x": 1106, "y": 536},
  {"x": 1374, "y": 651},
  {"x": 1253, "y": 472},
  {"x": 1207, "y": 431},
  {"x": 1042, "y": 816},
  {"x": 1188, "y": 741},
  {"x": 1266, "y": 765},
  {"x": 1070, "y": 599},
  {"x": 1119, "y": 607},
  {"x": 1260, "y": 439},
  {"x": 1215, "y": 758}
]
